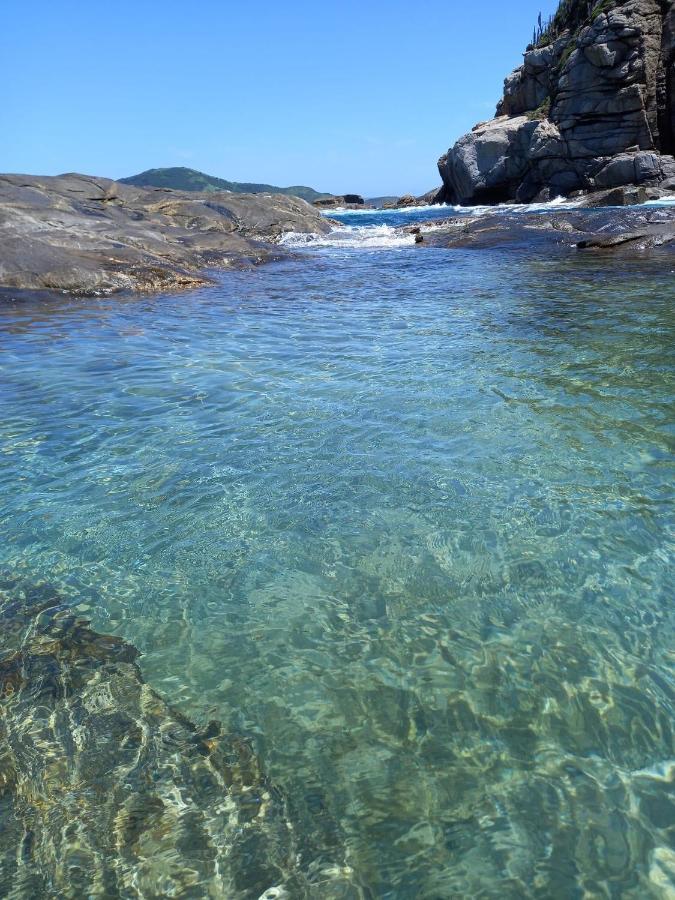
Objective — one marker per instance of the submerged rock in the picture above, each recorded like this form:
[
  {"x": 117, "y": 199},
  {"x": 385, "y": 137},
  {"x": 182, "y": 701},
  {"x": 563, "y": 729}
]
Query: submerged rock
[
  {"x": 81, "y": 234},
  {"x": 433, "y": 196},
  {"x": 105, "y": 791},
  {"x": 593, "y": 108}
]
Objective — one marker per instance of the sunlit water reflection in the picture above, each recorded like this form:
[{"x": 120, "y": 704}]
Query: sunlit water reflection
[{"x": 402, "y": 517}]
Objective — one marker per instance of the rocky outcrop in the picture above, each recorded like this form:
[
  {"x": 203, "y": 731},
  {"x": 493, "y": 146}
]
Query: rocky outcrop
[
  {"x": 594, "y": 107},
  {"x": 81, "y": 234},
  {"x": 343, "y": 201},
  {"x": 408, "y": 200}
]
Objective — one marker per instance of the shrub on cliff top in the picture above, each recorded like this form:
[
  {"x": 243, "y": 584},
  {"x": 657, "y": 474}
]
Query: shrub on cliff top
[{"x": 570, "y": 15}]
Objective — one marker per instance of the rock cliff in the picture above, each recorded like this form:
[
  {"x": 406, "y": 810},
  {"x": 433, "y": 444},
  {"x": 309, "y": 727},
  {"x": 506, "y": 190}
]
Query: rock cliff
[{"x": 591, "y": 107}]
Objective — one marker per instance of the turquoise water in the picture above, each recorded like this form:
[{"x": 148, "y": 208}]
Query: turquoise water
[{"x": 402, "y": 516}]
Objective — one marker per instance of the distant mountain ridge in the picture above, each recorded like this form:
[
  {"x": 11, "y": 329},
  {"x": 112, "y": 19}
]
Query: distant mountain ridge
[{"x": 180, "y": 178}]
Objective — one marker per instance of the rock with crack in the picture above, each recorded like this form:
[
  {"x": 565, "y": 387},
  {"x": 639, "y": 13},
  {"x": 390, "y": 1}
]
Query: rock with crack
[{"x": 593, "y": 108}]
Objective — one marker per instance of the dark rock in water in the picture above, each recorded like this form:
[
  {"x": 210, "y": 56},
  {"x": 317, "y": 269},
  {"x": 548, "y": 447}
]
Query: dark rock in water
[
  {"x": 648, "y": 237},
  {"x": 594, "y": 108},
  {"x": 434, "y": 196},
  {"x": 405, "y": 200},
  {"x": 91, "y": 235},
  {"x": 348, "y": 201},
  {"x": 618, "y": 196},
  {"x": 631, "y": 231},
  {"x": 105, "y": 791}
]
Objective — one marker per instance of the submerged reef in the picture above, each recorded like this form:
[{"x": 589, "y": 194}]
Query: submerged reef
[{"x": 106, "y": 791}]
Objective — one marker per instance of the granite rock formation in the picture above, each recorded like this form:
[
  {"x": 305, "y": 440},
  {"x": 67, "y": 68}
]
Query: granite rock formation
[
  {"x": 81, "y": 234},
  {"x": 592, "y": 106},
  {"x": 408, "y": 200}
]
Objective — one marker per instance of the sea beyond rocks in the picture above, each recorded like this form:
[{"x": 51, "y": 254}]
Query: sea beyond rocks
[
  {"x": 589, "y": 115},
  {"x": 592, "y": 107},
  {"x": 82, "y": 234}
]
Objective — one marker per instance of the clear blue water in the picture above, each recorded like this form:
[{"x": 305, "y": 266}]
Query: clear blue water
[{"x": 404, "y": 517}]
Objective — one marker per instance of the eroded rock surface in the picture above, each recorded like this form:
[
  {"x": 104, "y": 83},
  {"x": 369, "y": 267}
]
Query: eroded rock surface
[
  {"x": 105, "y": 791},
  {"x": 594, "y": 108},
  {"x": 77, "y": 233},
  {"x": 625, "y": 231}
]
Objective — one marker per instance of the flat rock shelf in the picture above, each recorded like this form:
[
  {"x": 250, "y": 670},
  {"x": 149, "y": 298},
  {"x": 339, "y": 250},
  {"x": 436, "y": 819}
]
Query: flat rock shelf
[{"x": 81, "y": 234}]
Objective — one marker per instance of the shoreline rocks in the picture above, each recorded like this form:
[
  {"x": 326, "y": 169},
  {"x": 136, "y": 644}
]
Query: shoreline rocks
[
  {"x": 594, "y": 108},
  {"x": 85, "y": 235},
  {"x": 627, "y": 231}
]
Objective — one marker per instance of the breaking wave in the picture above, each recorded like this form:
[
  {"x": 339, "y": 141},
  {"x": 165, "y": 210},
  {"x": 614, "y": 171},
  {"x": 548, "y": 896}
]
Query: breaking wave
[
  {"x": 348, "y": 237},
  {"x": 388, "y": 229}
]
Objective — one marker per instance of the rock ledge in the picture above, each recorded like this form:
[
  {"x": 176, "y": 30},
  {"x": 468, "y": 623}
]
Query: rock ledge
[{"x": 80, "y": 234}]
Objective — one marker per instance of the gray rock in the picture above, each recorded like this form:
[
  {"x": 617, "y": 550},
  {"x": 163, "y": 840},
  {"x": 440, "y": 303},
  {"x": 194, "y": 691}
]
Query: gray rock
[
  {"x": 604, "y": 95},
  {"x": 410, "y": 200},
  {"x": 626, "y": 195},
  {"x": 487, "y": 164},
  {"x": 82, "y": 234},
  {"x": 348, "y": 201},
  {"x": 634, "y": 168},
  {"x": 404, "y": 201},
  {"x": 527, "y": 87}
]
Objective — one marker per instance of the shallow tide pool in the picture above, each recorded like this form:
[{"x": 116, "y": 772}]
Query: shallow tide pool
[{"x": 403, "y": 518}]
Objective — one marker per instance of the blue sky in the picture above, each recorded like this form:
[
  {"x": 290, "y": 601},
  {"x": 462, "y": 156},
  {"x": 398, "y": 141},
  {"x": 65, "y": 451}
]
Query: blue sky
[{"x": 343, "y": 96}]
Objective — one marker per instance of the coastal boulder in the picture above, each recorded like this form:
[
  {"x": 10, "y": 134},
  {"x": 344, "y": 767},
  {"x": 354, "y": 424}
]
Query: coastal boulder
[
  {"x": 635, "y": 168},
  {"x": 486, "y": 165}
]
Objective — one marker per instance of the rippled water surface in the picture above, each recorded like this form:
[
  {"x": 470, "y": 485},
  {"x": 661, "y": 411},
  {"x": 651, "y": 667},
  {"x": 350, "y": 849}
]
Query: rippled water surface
[{"x": 400, "y": 516}]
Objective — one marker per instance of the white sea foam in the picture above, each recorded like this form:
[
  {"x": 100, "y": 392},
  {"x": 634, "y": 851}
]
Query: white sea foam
[
  {"x": 446, "y": 208},
  {"x": 373, "y": 237},
  {"x": 557, "y": 203},
  {"x": 390, "y": 231},
  {"x": 662, "y": 201}
]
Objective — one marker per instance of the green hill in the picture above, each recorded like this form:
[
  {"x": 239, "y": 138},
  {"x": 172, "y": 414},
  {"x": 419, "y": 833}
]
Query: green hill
[{"x": 181, "y": 179}]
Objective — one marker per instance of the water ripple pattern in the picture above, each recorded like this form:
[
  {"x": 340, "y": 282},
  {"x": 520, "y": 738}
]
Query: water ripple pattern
[{"x": 402, "y": 518}]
